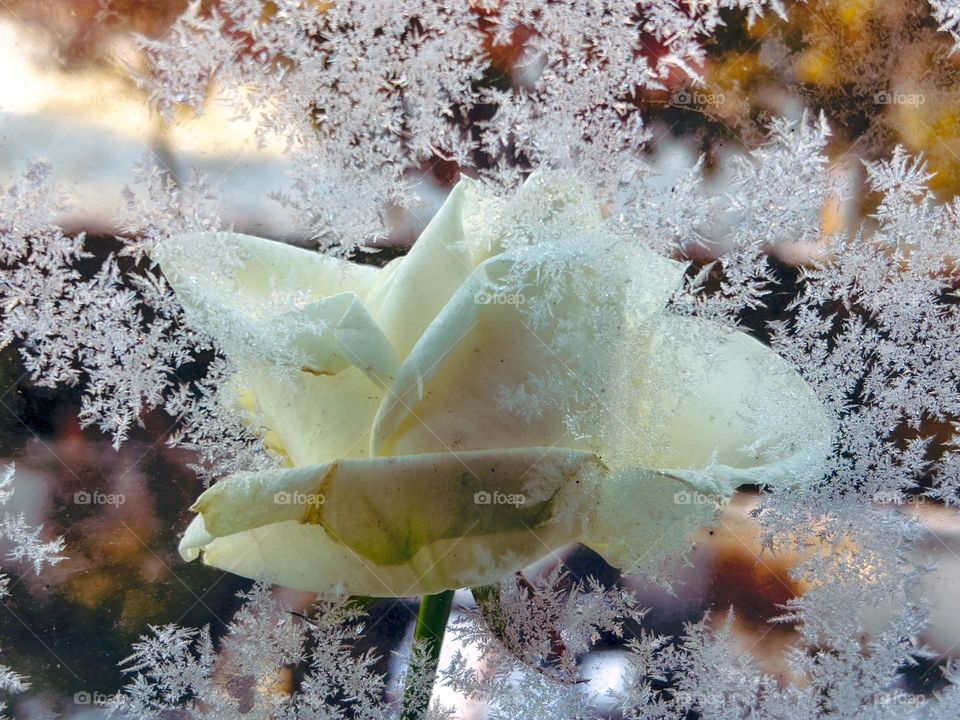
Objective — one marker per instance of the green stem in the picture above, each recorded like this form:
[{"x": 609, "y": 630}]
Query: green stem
[{"x": 431, "y": 624}]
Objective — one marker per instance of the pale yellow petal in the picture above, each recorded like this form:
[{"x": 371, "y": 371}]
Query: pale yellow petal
[
  {"x": 716, "y": 406},
  {"x": 194, "y": 538},
  {"x": 314, "y": 418},
  {"x": 230, "y": 269},
  {"x": 321, "y": 405},
  {"x": 445, "y": 394},
  {"x": 294, "y": 323},
  {"x": 388, "y": 508},
  {"x": 354, "y": 338},
  {"x": 278, "y": 303},
  {"x": 324, "y": 338},
  {"x": 456, "y": 389},
  {"x": 420, "y": 285},
  {"x": 399, "y": 525},
  {"x": 423, "y": 523},
  {"x": 304, "y": 557},
  {"x": 643, "y": 516}
]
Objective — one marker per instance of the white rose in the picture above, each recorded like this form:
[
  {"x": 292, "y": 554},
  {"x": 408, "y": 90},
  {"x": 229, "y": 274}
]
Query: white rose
[{"x": 510, "y": 386}]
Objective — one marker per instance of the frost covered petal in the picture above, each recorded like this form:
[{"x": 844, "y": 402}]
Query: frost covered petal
[
  {"x": 310, "y": 356},
  {"x": 370, "y": 532},
  {"x": 725, "y": 408},
  {"x": 522, "y": 350},
  {"x": 421, "y": 283},
  {"x": 224, "y": 271},
  {"x": 456, "y": 389}
]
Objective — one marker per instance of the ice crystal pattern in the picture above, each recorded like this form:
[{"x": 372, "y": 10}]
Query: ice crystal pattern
[
  {"x": 367, "y": 91},
  {"x": 25, "y": 545},
  {"x": 365, "y": 94}
]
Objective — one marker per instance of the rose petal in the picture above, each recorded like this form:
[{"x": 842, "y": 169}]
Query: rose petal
[
  {"x": 643, "y": 516},
  {"x": 418, "y": 287},
  {"x": 710, "y": 409},
  {"x": 324, "y": 409},
  {"x": 314, "y": 418},
  {"x": 304, "y": 557},
  {"x": 375, "y": 509},
  {"x": 326, "y": 337},
  {"x": 363, "y": 526},
  {"x": 356, "y": 340},
  {"x": 444, "y": 397},
  {"x": 194, "y": 538},
  {"x": 222, "y": 269},
  {"x": 721, "y": 409},
  {"x": 278, "y": 303},
  {"x": 449, "y": 391},
  {"x": 237, "y": 288},
  {"x": 377, "y": 506}
]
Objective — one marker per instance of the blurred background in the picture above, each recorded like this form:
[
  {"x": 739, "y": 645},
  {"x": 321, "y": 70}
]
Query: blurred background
[{"x": 881, "y": 72}]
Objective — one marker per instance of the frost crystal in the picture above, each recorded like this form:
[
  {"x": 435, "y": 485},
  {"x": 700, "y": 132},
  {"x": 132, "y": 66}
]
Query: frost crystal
[
  {"x": 371, "y": 99},
  {"x": 25, "y": 545},
  {"x": 180, "y": 669},
  {"x": 367, "y": 91},
  {"x": 947, "y": 13}
]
